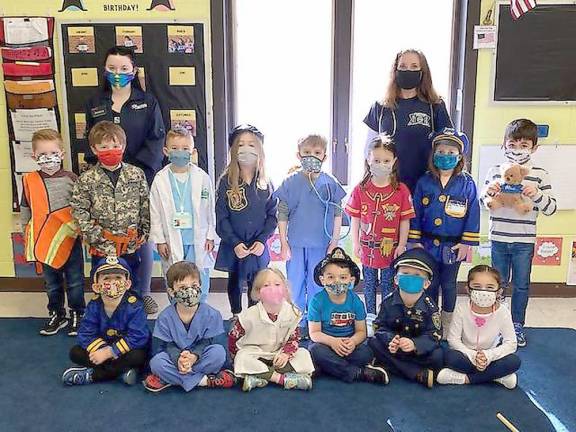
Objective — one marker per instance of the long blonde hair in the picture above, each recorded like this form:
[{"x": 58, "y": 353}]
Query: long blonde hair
[{"x": 259, "y": 283}]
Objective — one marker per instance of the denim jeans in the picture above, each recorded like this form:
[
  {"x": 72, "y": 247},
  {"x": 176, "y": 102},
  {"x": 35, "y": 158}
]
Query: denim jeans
[
  {"x": 371, "y": 283},
  {"x": 458, "y": 361},
  {"x": 345, "y": 368},
  {"x": 445, "y": 280},
  {"x": 515, "y": 260},
  {"x": 73, "y": 271}
]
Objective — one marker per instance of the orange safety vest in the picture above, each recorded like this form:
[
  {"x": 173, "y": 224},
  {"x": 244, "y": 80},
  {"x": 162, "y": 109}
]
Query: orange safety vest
[{"x": 50, "y": 235}]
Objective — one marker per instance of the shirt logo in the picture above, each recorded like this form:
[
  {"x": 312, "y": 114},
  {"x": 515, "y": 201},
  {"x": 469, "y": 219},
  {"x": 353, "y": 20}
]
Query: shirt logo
[
  {"x": 204, "y": 194},
  {"x": 237, "y": 201},
  {"x": 390, "y": 211},
  {"x": 342, "y": 319},
  {"x": 419, "y": 119},
  {"x": 135, "y": 106}
]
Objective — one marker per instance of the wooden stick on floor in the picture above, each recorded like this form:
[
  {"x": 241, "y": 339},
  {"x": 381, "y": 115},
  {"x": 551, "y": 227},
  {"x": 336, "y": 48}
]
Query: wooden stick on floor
[{"x": 506, "y": 423}]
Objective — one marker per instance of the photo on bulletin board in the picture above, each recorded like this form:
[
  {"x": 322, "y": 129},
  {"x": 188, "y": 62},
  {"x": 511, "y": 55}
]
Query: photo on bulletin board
[
  {"x": 80, "y": 123},
  {"x": 81, "y": 40},
  {"x": 180, "y": 39},
  {"x": 130, "y": 37},
  {"x": 183, "y": 119}
]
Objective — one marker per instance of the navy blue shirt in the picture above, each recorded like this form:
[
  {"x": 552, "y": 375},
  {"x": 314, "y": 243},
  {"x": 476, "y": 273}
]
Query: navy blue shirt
[{"x": 410, "y": 126}]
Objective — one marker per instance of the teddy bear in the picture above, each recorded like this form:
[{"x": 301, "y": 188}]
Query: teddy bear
[{"x": 510, "y": 194}]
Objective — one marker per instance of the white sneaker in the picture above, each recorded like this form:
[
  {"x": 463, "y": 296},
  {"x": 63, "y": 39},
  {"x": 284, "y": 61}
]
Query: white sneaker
[
  {"x": 508, "y": 381},
  {"x": 370, "y": 324},
  {"x": 449, "y": 376}
]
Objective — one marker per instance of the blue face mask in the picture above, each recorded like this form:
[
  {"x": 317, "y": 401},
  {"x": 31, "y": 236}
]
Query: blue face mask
[
  {"x": 411, "y": 284},
  {"x": 446, "y": 161},
  {"x": 119, "y": 80},
  {"x": 311, "y": 164},
  {"x": 180, "y": 158}
]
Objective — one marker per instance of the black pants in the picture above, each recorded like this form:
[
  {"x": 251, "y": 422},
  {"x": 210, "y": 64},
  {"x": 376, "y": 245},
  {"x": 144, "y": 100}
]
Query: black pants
[
  {"x": 497, "y": 369},
  {"x": 112, "y": 368},
  {"x": 234, "y": 289}
]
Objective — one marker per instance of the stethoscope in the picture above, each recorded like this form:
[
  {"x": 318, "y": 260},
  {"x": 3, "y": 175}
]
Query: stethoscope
[{"x": 395, "y": 123}]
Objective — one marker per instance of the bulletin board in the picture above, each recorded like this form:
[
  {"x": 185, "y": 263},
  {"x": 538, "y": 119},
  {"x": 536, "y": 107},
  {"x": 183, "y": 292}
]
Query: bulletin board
[{"x": 170, "y": 58}]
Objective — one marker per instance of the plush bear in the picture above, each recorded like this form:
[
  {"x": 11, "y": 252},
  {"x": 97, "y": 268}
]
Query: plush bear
[{"x": 510, "y": 194}]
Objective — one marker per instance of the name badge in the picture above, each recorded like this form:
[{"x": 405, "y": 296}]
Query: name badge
[
  {"x": 98, "y": 111},
  {"x": 182, "y": 220},
  {"x": 456, "y": 208}
]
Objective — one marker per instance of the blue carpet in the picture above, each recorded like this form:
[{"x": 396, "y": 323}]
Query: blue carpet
[{"x": 33, "y": 399}]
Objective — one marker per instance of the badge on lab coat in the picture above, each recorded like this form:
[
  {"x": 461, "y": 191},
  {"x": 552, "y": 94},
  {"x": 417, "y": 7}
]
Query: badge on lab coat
[{"x": 182, "y": 220}]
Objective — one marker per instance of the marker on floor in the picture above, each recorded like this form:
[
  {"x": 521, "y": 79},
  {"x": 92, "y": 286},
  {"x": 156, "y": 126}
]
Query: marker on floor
[{"x": 506, "y": 423}]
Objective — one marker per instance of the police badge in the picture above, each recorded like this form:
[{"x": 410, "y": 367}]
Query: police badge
[
  {"x": 237, "y": 201},
  {"x": 436, "y": 320}
]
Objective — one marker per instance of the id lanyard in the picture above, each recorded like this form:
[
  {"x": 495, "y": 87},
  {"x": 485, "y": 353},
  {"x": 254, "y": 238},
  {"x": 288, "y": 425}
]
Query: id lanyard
[{"x": 181, "y": 194}]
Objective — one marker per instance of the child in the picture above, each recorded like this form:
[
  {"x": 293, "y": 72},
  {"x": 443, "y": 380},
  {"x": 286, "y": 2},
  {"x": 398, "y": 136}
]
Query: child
[
  {"x": 113, "y": 336},
  {"x": 263, "y": 340},
  {"x": 337, "y": 323},
  {"x": 51, "y": 234},
  {"x": 381, "y": 209},
  {"x": 309, "y": 219},
  {"x": 408, "y": 326},
  {"x": 185, "y": 352},
  {"x": 447, "y": 221},
  {"x": 245, "y": 213},
  {"x": 481, "y": 337},
  {"x": 184, "y": 227},
  {"x": 513, "y": 234},
  {"x": 110, "y": 201}
]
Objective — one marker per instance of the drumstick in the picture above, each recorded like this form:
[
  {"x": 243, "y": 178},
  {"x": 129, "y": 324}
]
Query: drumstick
[{"x": 506, "y": 422}]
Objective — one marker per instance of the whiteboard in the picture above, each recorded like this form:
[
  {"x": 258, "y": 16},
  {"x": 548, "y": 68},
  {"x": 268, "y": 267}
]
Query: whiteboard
[{"x": 558, "y": 160}]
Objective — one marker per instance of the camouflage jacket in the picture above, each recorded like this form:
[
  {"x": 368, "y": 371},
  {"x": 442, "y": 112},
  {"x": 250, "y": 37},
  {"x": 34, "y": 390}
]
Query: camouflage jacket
[{"x": 98, "y": 206}]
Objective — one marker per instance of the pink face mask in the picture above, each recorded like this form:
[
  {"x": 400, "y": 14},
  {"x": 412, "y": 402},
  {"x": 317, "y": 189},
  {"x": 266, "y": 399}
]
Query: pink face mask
[{"x": 273, "y": 295}]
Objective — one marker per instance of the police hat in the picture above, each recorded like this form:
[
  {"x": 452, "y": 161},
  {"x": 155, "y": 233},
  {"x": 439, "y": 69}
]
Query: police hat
[
  {"x": 112, "y": 265},
  {"x": 241, "y": 129},
  {"x": 339, "y": 257},
  {"x": 417, "y": 258},
  {"x": 449, "y": 134}
]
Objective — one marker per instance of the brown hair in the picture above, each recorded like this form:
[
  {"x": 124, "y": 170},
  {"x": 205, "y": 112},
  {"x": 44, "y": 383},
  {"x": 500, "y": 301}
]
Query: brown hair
[
  {"x": 47, "y": 135},
  {"x": 106, "y": 131},
  {"x": 181, "y": 270},
  {"x": 179, "y": 132},
  {"x": 425, "y": 90},
  {"x": 521, "y": 129},
  {"x": 460, "y": 166},
  {"x": 384, "y": 142},
  {"x": 313, "y": 141},
  {"x": 483, "y": 268}
]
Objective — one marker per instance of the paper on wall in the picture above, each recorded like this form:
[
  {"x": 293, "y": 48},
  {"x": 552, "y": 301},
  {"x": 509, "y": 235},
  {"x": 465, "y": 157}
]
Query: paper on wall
[
  {"x": 25, "y": 30},
  {"x": 23, "y": 161},
  {"x": 571, "y": 279},
  {"x": 27, "y": 121}
]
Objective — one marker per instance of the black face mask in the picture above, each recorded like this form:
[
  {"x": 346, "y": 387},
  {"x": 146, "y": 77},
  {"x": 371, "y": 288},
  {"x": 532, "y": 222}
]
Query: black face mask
[{"x": 408, "y": 79}]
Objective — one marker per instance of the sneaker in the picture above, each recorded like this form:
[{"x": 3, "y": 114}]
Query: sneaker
[
  {"x": 520, "y": 336},
  {"x": 297, "y": 381},
  {"x": 77, "y": 376},
  {"x": 74, "y": 323},
  {"x": 54, "y": 324},
  {"x": 251, "y": 381},
  {"x": 449, "y": 376},
  {"x": 150, "y": 305},
  {"x": 223, "y": 379},
  {"x": 130, "y": 376},
  {"x": 374, "y": 374},
  {"x": 426, "y": 378},
  {"x": 508, "y": 381},
  {"x": 154, "y": 384}
]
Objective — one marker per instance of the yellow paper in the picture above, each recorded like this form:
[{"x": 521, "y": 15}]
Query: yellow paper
[
  {"x": 129, "y": 37},
  {"x": 81, "y": 40},
  {"x": 182, "y": 76},
  {"x": 80, "y": 31},
  {"x": 180, "y": 30},
  {"x": 183, "y": 119},
  {"x": 80, "y": 123},
  {"x": 84, "y": 77}
]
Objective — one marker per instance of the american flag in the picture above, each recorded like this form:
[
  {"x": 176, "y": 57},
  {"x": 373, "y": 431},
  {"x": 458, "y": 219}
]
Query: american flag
[{"x": 520, "y": 7}]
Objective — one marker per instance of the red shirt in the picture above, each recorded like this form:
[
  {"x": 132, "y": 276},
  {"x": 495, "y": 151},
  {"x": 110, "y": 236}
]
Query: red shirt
[{"x": 380, "y": 210}]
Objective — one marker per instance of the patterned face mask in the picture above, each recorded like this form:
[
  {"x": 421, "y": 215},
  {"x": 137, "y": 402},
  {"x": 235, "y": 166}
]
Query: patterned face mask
[
  {"x": 338, "y": 288},
  {"x": 380, "y": 170},
  {"x": 119, "y": 80},
  {"x": 113, "y": 289},
  {"x": 49, "y": 163},
  {"x": 311, "y": 164},
  {"x": 518, "y": 156},
  {"x": 483, "y": 298},
  {"x": 188, "y": 296}
]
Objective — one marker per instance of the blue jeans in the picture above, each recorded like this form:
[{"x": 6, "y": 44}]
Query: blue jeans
[
  {"x": 73, "y": 271},
  {"x": 146, "y": 254},
  {"x": 445, "y": 279},
  {"x": 345, "y": 368},
  {"x": 515, "y": 259},
  {"x": 458, "y": 361},
  {"x": 371, "y": 283},
  {"x": 133, "y": 260}
]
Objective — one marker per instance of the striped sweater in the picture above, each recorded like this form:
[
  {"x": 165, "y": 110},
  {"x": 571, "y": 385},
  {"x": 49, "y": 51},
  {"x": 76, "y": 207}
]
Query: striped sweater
[{"x": 509, "y": 226}]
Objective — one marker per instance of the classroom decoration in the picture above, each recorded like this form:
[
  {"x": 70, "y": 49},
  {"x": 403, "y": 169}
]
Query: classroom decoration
[
  {"x": 28, "y": 66},
  {"x": 520, "y": 7},
  {"x": 571, "y": 278},
  {"x": 547, "y": 251}
]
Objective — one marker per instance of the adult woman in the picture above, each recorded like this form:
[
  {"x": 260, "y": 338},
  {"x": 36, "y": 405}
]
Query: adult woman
[
  {"x": 410, "y": 112},
  {"x": 123, "y": 101}
]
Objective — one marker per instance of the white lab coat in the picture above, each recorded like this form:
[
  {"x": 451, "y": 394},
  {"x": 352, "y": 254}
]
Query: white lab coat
[{"x": 162, "y": 211}]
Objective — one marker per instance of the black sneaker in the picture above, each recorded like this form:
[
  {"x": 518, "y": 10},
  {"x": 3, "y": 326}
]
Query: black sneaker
[
  {"x": 54, "y": 324},
  {"x": 150, "y": 305},
  {"x": 426, "y": 378},
  {"x": 74, "y": 323},
  {"x": 374, "y": 374}
]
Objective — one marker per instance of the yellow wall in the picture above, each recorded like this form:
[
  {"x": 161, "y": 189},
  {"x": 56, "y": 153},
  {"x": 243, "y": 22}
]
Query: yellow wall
[
  {"x": 489, "y": 124},
  {"x": 185, "y": 10}
]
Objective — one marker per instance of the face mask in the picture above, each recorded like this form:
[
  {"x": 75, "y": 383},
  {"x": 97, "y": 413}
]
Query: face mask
[
  {"x": 446, "y": 161},
  {"x": 407, "y": 79},
  {"x": 411, "y": 284},
  {"x": 518, "y": 156},
  {"x": 380, "y": 169},
  {"x": 188, "y": 296},
  {"x": 113, "y": 289},
  {"x": 49, "y": 163},
  {"x": 311, "y": 164},
  {"x": 338, "y": 288},
  {"x": 119, "y": 80},
  {"x": 110, "y": 157},
  {"x": 273, "y": 295},
  {"x": 247, "y": 158},
  {"x": 180, "y": 158},
  {"x": 483, "y": 298}
]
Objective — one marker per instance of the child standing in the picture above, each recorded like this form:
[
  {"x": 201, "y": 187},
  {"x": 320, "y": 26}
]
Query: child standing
[
  {"x": 513, "y": 234},
  {"x": 481, "y": 337},
  {"x": 113, "y": 337},
  {"x": 337, "y": 323},
  {"x": 309, "y": 219},
  {"x": 264, "y": 339},
  {"x": 447, "y": 221},
  {"x": 110, "y": 201},
  {"x": 381, "y": 209},
  {"x": 183, "y": 339},
  {"x": 245, "y": 213},
  {"x": 50, "y": 232},
  {"x": 184, "y": 227}
]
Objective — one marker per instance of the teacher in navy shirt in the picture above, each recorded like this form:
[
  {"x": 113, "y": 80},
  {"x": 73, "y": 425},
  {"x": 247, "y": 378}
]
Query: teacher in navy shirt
[{"x": 410, "y": 112}]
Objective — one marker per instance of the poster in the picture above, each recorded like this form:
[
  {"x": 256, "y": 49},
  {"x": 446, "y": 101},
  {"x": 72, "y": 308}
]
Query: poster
[
  {"x": 26, "y": 122},
  {"x": 182, "y": 76},
  {"x": 274, "y": 247},
  {"x": 80, "y": 125},
  {"x": 571, "y": 279},
  {"x": 23, "y": 161},
  {"x": 482, "y": 253},
  {"x": 180, "y": 39},
  {"x": 547, "y": 251},
  {"x": 81, "y": 40},
  {"x": 84, "y": 77},
  {"x": 130, "y": 37},
  {"x": 183, "y": 119},
  {"x": 484, "y": 37}
]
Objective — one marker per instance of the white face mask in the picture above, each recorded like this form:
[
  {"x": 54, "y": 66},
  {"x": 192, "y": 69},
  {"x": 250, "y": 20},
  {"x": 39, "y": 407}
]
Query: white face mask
[
  {"x": 247, "y": 157},
  {"x": 483, "y": 298},
  {"x": 518, "y": 156},
  {"x": 380, "y": 170},
  {"x": 49, "y": 163}
]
